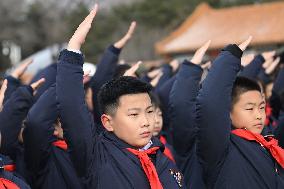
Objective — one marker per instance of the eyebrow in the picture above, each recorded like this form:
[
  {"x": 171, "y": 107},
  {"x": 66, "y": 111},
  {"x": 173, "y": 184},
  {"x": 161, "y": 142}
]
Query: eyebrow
[{"x": 138, "y": 109}]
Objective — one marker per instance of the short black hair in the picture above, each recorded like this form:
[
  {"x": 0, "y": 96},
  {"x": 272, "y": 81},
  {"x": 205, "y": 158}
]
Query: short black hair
[
  {"x": 109, "y": 94},
  {"x": 242, "y": 85},
  {"x": 156, "y": 102}
]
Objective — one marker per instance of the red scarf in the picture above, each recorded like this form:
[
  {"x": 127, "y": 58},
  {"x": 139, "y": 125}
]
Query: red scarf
[
  {"x": 167, "y": 151},
  {"x": 60, "y": 144},
  {"x": 148, "y": 166},
  {"x": 272, "y": 145},
  {"x": 9, "y": 168},
  {"x": 7, "y": 184}
]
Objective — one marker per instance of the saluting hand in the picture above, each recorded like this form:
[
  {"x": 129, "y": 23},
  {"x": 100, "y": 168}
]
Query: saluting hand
[
  {"x": 80, "y": 34},
  {"x": 197, "y": 57},
  {"x": 123, "y": 41}
]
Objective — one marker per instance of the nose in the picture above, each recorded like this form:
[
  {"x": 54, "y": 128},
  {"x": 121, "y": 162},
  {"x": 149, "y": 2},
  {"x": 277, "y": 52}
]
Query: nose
[
  {"x": 145, "y": 121},
  {"x": 258, "y": 115}
]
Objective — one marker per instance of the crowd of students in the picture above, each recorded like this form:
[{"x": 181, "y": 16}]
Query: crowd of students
[{"x": 176, "y": 126}]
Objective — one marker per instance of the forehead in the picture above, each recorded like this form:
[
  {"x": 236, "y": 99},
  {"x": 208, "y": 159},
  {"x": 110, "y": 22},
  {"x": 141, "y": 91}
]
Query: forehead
[
  {"x": 251, "y": 97},
  {"x": 141, "y": 100}
]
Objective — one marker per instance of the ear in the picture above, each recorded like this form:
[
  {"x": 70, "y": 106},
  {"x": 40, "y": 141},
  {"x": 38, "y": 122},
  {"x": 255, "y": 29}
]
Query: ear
[{"x": 107, "y": 122}]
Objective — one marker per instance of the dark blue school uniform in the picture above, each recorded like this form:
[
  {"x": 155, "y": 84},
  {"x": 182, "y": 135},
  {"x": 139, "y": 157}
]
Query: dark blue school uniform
[
  {"x": 101, "y": 161},
  {"x": 10, "y": 175},
  {"x": 253, "y": 69},
  {"x": 11, "y": 121},
  {"x": 229, "y": 161},
  {"x": 51, "y": 166},
  {"x": 182, "y": 110},
  {"x": 49, "y": 74}
]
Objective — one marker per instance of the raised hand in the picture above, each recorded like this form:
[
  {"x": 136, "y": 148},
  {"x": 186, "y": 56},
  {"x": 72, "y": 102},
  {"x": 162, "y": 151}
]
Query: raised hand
[
  {"x": 268, "y": 55},
  {"x": 20, "y": 70},
  {"x": 272, "y": 66},
  {"x": 174, "y": 64},
  {"x": 156, "y": 79},
  {"x": 131, "y": 71},
  {"x": 123, "y": 41},
  {"x": 247, "y": 59},
  {"x": 197, "y": 57},
  {"x": 2, "y": 92},
  {"x": 207, "y": 65},
  {"x": 245, "y": 44},
  {"x": 154, "y": 73},
  {"x": 37, "y": 84},
  {"x": 80, "y": 34}
]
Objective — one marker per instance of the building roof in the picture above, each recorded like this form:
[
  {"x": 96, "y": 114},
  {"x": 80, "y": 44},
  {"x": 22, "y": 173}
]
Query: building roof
[{"x": 265, "y": 22}]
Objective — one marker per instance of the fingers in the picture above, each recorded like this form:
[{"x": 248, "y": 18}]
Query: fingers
[
  {"x": 174, "y": 64},
  {"x": 207, "y": 65},
  {"x": 80, "y": 34},
  {"x": 156, "y": 79},
  {"x": 273, "y": 65},
  {"x": 247, "y": 59},
  {"x": 267, "y": 63},
  {"x": 268, "y": 55},
  {"x": 123, "y": 41},
  {"x": 154, "y": 73},
  {"x": 37, "y": 84},
  {"x": 2, "y": 92},
  {"x": 245, "y": 44},
  {"x": 86, "y": 76},
  {"x": 131, "y": 71},
  {"x": 197, "y": 57},
  {"x": 20, "y": 70},
  {"x": 131, "y": 29}
]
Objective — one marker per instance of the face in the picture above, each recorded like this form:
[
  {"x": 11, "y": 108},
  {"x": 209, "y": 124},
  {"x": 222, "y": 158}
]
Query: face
[
  {"x": 133, "y": 121},
  {"x": 268, "y": 90},
  {"x": 158, "y": 121},
  {"x": 58, "y": 131},
  {"x": 249, "y": 112}
]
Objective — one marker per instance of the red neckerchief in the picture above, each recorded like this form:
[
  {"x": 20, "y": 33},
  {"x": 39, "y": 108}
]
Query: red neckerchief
[
  {"x": 272, "y": 145},
  {"x": 60, "y": 144},
  {"x": 9, "y": 168},
  {"x": 148, "y": 166},
  {"x": 7, "y": 184},
  {"x": 167, "y": 151}
]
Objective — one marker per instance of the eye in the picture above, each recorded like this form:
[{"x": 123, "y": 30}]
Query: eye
[
  {"x": 150, "y": 111},
  {"x": 262, "y": 107},
  {"x": 249, "y": 109},
  {"x": 133, "y": 115}
]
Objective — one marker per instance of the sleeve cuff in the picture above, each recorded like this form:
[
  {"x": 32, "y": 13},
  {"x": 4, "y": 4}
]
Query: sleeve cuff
[
  {"x": 114, "y": 50},
  {"x": 234, "y": 49}
]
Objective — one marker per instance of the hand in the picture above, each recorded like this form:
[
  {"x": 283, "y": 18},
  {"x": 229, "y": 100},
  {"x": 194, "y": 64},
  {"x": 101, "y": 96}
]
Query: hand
[
  {"x": 122, "y": 42},
  {"x": 197, "y": 57},
  {"x": 20, "y": 70},
  {"x": 207, "y": 65},
  {"x": 174, "y": 64},
  {"x": 131, "y": 71},
  {"x": 80, "y": 34},
  {"x": 247, "y": 59},
  {"x": 245, "y": 44},
  {"x": 156, "y": 79},
  {"x": 272, "y": 66},
  {"x": 268, "y": 55},
  {"x": 37, "y": 84},
  {"x": 2, "y": 93},
  {"x": 86, "y": 77},
  {"x": 154, "y": 73}
]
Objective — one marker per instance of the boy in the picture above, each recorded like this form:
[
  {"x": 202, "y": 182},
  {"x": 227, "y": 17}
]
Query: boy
[
  {"x": 241, "y": 158},
  {"x": 125, "y": 155}
]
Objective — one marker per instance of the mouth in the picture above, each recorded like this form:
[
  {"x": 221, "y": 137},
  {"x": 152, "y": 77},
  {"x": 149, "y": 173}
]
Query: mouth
[
  {"x": 145, "y": 134},
  {"x": 259, "y": 126}
]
